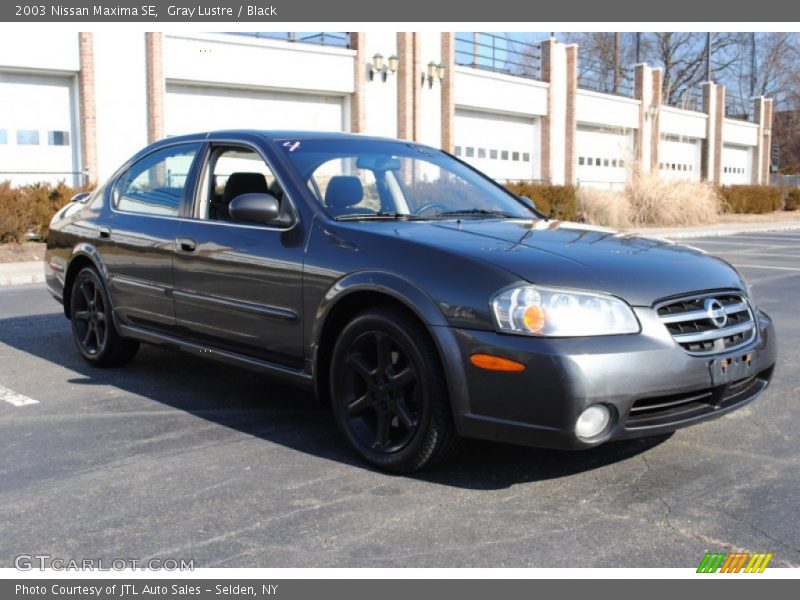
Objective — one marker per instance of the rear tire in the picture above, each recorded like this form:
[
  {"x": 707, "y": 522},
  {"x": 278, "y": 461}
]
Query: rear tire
[
  {"x": 93, "y": 329},
  {"x": 389, "y": 393}
]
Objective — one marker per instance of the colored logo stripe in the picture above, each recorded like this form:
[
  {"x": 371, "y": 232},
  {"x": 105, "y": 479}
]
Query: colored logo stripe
[{"x": 734, "y": 562}]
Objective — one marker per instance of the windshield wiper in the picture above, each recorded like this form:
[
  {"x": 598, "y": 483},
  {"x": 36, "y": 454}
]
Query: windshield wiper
[
  {"x": 479, "y": 212},
  {"x": 380, "y": 216}
]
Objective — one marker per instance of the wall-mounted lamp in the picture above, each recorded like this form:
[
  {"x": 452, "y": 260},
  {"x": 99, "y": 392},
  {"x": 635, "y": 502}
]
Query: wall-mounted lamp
[
  {"x": 378, "y": 66},
  {"x": 434, "y": 72}
]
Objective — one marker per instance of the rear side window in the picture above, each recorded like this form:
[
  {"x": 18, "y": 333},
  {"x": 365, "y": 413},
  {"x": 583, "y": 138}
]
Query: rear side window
[{"x": 154, "y": 185}]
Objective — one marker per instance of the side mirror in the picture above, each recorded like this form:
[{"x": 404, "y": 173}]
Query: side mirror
[
  {"x": 528, "y": 202},
  {"x": 255, "y": 208},
  {"x": 80, "y": 197}
]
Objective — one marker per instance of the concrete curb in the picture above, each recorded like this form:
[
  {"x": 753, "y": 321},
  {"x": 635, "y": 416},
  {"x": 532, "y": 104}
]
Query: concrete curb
[{"x": 22, "y": 273}]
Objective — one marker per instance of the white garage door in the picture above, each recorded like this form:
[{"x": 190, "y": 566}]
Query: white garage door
[
  {"x": 190, "y": 109},
  {"x": 680, "y": 158},
  {"x": 505, "y": 147},
  {"x": 37, "y": 129},
  {"x": 604, "y": 155},
  {"x": 737, "y": 164}
]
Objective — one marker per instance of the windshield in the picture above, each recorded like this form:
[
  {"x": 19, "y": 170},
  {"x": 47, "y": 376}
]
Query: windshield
[{"x": 363, "y": 179}]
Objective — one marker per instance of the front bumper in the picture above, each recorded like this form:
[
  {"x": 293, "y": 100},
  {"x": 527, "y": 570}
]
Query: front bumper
[{"x": 651, "y": 384}]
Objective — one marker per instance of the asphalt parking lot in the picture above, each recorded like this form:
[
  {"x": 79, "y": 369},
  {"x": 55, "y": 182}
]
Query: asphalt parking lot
[{"x": 177, "y": 457}]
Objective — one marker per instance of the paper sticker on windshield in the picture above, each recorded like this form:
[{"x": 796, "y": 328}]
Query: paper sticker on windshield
[{"x": 292, "y": 146}]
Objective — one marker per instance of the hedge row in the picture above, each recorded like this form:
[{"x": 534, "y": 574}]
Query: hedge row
[
  {"x": 556, "y": 201},
  {"x": 751, "y": 198},
  {"x": 792, "y": 201},
  {"x": 28, "y": 209}
]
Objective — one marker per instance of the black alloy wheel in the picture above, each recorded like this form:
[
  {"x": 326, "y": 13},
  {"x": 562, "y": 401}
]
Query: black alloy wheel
[
  {"x": 93, "y": 328},
  {"x": 388, "y": 391}
]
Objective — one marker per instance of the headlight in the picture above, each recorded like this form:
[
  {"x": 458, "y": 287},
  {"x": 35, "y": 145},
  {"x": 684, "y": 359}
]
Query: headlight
[{"x": 535, "y": 310}]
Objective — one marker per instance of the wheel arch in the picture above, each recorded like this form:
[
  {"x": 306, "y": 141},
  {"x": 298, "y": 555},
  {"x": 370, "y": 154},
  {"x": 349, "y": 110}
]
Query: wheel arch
[
  {"x": 360, "y": 291},
  {"x": 83, "y": 255}
]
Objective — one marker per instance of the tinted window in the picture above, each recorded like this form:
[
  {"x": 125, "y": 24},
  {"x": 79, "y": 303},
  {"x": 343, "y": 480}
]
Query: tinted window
[
  {"x": 3, "y": 136},
  {"x": 155, "y": 184},
  {"x": 58, "y": 138},
  {"x": 353, "y": 178}
]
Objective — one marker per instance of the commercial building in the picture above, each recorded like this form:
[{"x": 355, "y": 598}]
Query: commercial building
[{"x": 76, "y": 106}]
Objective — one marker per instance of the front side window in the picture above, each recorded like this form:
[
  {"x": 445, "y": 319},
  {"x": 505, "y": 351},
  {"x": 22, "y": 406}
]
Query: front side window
[
  {"x": 155, "y": 184},
  {"x": 362, "y": 178},
  {"x": 230, "y": 172}
]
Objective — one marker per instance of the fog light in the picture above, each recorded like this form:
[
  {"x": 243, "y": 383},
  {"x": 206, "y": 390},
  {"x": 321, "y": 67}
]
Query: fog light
[{"x": 592, "y": 422}]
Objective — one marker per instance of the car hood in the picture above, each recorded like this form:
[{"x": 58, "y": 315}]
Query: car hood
[{"x": 635, "y": 268}]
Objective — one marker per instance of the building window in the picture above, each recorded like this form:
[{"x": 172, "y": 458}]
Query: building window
[
  {"x": 515, "y": 156},
  {"x": 481, "y": 152},
  {"x": 504, "y": 155},
  {"x": 27, "y": 137},
  {"x": 458, "y": 150},
  {"x": 3, "y": 136},
  {"x": 58, "y": 138},
  {"x": 598, "y": 162},
  {"x": 526, "y": 157},
  {"x": 614, "y": 163},
  {"x": 622, "y": 164},
  {"x": 589, "y": 161},
  {"x": 470, "y": 152},
  {"x": 580, "y": 161},
  {"x": 493, "y": 154}
]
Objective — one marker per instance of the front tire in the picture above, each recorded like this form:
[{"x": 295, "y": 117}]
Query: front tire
[
  {"x": 389, "y": 393},
  {"x": 93, "y": 329}
]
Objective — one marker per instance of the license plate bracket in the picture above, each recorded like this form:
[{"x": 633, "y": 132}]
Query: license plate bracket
[{"x": 731, "y": 368}]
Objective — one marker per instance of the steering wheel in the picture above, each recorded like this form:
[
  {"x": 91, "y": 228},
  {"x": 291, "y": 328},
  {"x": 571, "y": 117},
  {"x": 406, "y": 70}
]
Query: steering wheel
[{"x": 429, "y": 206}]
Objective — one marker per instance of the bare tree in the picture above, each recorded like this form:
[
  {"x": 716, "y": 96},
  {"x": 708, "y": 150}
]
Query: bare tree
[
  {"x": 606, "y": 60},
  {"x": 685, "y": 58}
]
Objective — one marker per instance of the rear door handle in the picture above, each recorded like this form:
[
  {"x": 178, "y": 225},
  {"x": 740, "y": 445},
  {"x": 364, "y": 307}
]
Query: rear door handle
[
  {"x": 187, "y": 245},
  {"x": 104, "y": 232}
]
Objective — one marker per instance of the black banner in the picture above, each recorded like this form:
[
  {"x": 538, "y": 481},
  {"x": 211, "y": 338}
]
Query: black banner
[{"x": 309, "y": 11}]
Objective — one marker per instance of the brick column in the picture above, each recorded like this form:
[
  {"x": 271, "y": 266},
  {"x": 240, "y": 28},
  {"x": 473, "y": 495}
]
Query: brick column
[
  {"x": 570, "y": 121},
  {"x": 358, "y": 42},
  {"x": 546, "y": 133},
  {"x": 86, "y": 101},
  {"x": 762, "y": 109},
  {"x": 154, "y": 57},
  {"x": 643, "y": 92},
  {"x": 714, "y": 107},
  {"x": 406, "y": 85},
  {"x": 655, "y": 126},
  {"x": 448, "y": 59}
]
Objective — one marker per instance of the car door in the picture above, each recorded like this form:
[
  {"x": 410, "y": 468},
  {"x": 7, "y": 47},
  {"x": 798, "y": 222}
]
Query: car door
[
  {"x": 238, "y": 286},
  {"x": 136, "y": 239}
]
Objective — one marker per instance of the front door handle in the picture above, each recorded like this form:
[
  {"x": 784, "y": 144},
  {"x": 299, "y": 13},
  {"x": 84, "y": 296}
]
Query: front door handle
[
  {"x": 104, "y": 232},
  {"x": 187, "y": 245}
]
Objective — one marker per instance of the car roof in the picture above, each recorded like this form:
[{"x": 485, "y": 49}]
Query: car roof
[{"x": 278, "y": 134}]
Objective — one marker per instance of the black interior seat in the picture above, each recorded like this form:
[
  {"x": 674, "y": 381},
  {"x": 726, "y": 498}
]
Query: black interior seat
[
  {"x": 238, "y": 184},
  {"x": 344, "y": 192}
]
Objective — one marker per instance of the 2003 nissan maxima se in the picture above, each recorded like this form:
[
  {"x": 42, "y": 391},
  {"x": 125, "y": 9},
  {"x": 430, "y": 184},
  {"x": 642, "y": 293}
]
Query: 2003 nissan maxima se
[{"x": 417, "y": 297}]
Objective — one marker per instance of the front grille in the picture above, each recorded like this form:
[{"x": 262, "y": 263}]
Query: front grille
[
  {"x": 664, "y": 410},
  {"x": 709, "y": 323}
]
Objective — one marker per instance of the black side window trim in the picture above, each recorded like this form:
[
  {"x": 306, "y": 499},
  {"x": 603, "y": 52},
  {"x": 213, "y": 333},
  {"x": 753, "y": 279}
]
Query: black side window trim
[{"x": 207, "y": 154}]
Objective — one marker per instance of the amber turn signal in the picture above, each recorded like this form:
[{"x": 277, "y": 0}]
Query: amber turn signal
[{"x": 496, "y": 363}]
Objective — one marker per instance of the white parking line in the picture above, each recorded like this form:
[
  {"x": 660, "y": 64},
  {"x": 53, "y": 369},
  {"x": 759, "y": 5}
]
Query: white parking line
[
  {"x": 773, "y": 247},
  {"x": 768, "y": 267},
  {"x": 14, "y": 398}
]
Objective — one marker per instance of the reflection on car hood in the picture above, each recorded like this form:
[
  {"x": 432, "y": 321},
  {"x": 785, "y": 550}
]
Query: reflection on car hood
[{"x": 638, "y": 269}]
